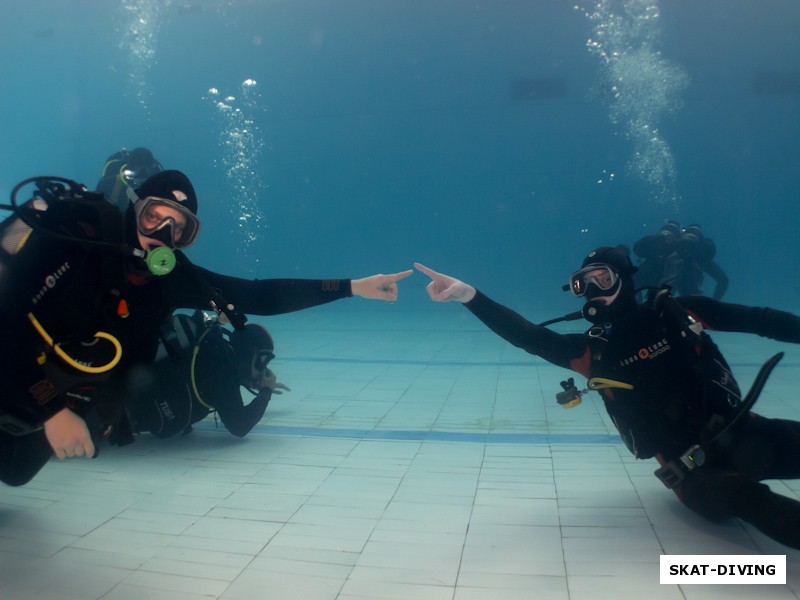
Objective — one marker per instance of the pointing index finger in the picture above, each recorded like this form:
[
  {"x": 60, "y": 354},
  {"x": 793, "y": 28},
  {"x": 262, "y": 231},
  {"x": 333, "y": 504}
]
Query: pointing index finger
[
  {"x": 429, "y": 272},
  {"x": 401, "y": 275}
]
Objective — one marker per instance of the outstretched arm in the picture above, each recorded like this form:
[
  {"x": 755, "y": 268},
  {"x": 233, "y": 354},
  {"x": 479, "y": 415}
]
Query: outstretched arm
[
  {"x": 723, "y": 316},
  {"x": 279, "y": 296},
  {"x": 554, "y": 347}
]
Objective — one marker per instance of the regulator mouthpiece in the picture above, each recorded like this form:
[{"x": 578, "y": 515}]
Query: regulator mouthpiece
[{"x": 160, "y": 261}]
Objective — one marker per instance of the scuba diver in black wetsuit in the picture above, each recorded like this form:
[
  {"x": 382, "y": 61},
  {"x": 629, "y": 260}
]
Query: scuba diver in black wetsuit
[
  {"x": 656, "y": 254},
  {"x": 200, "y": 368},
  {"x": 667, "y": 387},
  {"x": 209, "y": 357},
  {"x": 679, "y": 258},
  {"x": 124, "y": 169},
  {"x": 84, "y": 290}
]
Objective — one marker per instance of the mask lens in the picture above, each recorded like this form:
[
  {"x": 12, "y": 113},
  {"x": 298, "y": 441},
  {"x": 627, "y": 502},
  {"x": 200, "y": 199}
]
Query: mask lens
[
  {"x": 261, "y": 359},
  {"x": 602, "y": 276},
  {"x": 169, "y": 219}
]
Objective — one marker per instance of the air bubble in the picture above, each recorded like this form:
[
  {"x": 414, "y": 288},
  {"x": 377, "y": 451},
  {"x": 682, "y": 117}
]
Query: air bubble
[
  {"x": 643, "y": 85},
  {"x": 241, "y": 142}
]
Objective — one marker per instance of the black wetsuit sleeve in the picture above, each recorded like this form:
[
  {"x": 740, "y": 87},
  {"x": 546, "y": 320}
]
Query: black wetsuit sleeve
[
  {"x": 556, "y": 348},
  {"x": 259, "y": 296},
  {"x": 240, "y": 418},
  {"x": 216, "y": 384},
  {"x": 722, "y": 316}
]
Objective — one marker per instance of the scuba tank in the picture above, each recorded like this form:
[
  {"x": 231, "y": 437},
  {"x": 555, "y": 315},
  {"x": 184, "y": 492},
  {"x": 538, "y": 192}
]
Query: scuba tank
[
  {"x": 64, "y": 210},
  {"x": 58, "y": 201}
]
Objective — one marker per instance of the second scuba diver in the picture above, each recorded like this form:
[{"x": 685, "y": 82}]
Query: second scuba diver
[
  {"x": 667, "y": 387},
  {"x": 200, "y": 368}
]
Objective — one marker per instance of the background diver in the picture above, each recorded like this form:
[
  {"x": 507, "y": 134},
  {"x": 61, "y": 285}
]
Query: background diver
[
  {"x": 124, "y": 169},
  {"x": 679, "y": 258},
  {"x": 201, "y": 368}
]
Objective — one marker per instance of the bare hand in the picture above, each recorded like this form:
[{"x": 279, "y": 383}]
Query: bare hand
[
  {"x": 68, "y": 435},
  {"x": 378, "y": 287},
  {"x": 444, "y": 288},
  {"x": 270, "y": 380}
]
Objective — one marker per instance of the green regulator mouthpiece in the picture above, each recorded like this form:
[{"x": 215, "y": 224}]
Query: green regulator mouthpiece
[{"x": 160, "y": 261}]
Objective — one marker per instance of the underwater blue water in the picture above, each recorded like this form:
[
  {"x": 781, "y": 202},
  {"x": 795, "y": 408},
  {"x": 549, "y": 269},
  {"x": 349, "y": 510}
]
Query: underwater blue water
[{"x": 486, "y": 139}]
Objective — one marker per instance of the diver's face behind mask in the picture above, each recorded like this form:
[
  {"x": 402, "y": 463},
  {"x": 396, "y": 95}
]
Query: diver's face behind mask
[
  {"x": 259, "y": 373},
  {"x": 597, "y": 283},
  {"x": 161, "y": 227},
  {"x": 166, "y": 222}
]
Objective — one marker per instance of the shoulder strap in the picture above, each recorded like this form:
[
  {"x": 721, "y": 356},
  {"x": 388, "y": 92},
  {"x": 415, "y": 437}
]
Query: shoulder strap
[{"x": 662, "y": 302}]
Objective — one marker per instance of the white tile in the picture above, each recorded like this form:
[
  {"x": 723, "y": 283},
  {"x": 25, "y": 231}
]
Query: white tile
[
  {"x": 482, "y": 586},
  {"x": 125, "y": 591},
  {"x": 150, "y": 580},
  {"x": 255, "y": 584},
  {"x": 366, "y": 589},
  {"x": 435, "y": 574},
  {"x": 233, "y": 529}
]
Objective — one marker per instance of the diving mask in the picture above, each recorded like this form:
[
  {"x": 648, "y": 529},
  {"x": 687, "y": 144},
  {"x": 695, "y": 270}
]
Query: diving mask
[
  {"x": 602, "y": 277},
  {"x": 165, "y": 220}
]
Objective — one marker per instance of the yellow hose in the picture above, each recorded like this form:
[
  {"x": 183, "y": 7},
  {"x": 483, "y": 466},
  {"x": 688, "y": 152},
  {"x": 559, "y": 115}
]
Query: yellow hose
[
  {"x": 599, "y": 383},
  {"x": 195, "y": 352},
  {"x": 71, "y": 361}
]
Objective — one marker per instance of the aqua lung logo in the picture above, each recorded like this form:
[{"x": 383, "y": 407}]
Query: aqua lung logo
[
  {"x": 647, "y": 353},
  {"x": 50, "y": 282}
]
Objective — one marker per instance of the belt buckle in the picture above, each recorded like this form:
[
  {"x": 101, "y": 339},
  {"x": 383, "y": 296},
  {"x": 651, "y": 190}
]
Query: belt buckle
[{"x": 670, "y": 474}]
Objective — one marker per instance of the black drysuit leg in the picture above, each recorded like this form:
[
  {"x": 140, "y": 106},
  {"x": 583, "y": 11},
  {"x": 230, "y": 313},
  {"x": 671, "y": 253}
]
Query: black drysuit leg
[
  {"x": 22, "y": 457},
  {"x": 762, "y": 449}
]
